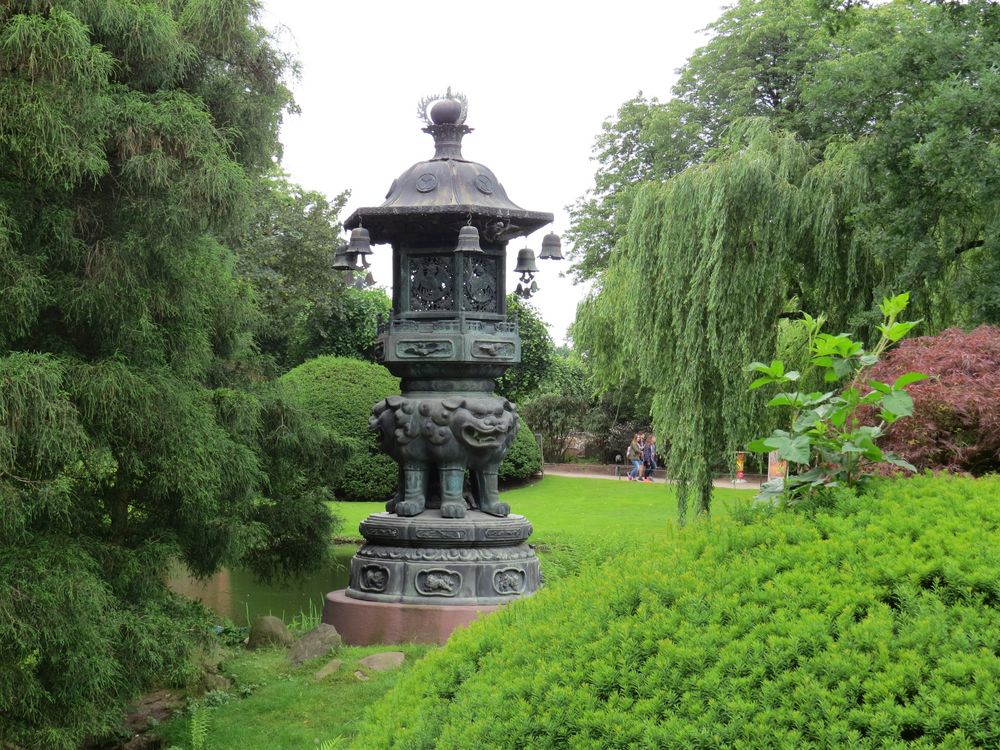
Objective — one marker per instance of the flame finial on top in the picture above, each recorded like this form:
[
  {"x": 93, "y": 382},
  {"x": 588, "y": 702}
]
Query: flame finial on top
[{"x": 450, "y": 109}]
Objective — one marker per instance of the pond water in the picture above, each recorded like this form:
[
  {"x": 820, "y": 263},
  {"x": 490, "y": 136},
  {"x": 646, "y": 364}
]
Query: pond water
[{"x": 236, "y": 594}]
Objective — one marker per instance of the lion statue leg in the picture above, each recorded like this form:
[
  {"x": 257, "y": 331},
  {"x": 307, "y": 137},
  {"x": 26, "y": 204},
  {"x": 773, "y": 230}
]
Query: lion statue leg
[
  {"x": 489, "y": 494},
  {"x": 452, "y": 499},
  {"x": 414, "y": 490}
]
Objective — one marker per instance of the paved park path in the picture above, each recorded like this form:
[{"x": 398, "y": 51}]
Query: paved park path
[{"x": 749, "y": 484}]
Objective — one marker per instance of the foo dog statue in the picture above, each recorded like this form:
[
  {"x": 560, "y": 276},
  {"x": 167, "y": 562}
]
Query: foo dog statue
[{"x": 450, "y": 435}]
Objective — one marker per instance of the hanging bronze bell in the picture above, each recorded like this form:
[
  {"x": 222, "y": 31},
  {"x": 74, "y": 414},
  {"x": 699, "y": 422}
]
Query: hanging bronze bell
[
  {"x": 526, "y": 261},
  {"x": 551, "y": 247},
  {"x": 468, "y": 240},
  {"x": 359, "y": 247},
  {"x": 340, "y": 261}
]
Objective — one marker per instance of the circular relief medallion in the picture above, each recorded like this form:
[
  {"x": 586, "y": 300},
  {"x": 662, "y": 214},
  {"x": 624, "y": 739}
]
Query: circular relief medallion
[
  {"x": 426, "y": 182},
  {"x": 484, "y": 184}
]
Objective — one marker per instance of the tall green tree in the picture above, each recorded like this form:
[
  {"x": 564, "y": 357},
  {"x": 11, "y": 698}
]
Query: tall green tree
[
  {"x": 131, "y": 138},
  {"x": 286, "y": 253},
  {"x": 850, "y": 152},
  {"x": 522, "y": 380}
]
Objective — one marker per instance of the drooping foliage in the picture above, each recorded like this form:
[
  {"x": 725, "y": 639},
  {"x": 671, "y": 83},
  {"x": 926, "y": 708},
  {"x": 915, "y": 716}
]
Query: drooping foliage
[
  {"x": 956, "y": 412},
  {"x": 696, "y": 287},
  {"x": 131, "y": 137},
  {"x": 878, "y": 175},
  {"x": 869, "y": 624}
]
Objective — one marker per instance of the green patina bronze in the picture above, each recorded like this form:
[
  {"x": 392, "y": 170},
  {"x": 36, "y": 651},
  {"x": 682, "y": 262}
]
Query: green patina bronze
[{"x": 449, "y": 221}]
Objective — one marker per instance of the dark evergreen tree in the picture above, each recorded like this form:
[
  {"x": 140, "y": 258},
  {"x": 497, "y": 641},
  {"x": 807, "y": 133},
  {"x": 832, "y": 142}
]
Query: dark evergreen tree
[{"x": 130, "y": 140}]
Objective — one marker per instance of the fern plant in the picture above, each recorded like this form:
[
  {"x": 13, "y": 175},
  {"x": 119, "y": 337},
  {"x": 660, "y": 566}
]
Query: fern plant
[{"x": 198, "y": 728}]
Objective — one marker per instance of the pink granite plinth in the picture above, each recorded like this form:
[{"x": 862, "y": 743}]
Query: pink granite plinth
[{"x": 363, "y": 623}]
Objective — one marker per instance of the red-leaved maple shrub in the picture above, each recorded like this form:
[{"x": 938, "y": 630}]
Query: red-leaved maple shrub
[{"x": 956, "y": 411}]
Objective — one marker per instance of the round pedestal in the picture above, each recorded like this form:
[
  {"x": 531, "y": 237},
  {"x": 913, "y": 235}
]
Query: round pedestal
[
  {"x": 418, "y": 578},
  {"x": 362, "y": 623},
  {"x": 426, "y": 559}
]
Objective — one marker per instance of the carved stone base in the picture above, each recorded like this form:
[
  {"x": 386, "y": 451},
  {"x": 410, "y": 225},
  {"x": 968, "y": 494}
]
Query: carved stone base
[
  {"x": 476, "y": 560},
  {"x": 362, "y": 623}
]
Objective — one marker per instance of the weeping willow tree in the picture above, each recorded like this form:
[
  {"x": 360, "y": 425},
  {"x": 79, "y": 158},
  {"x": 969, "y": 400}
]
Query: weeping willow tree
[{"x": 711, "y": 261}]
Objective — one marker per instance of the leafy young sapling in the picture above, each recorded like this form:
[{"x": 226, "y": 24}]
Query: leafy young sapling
[{"x": 826, "y": 437}]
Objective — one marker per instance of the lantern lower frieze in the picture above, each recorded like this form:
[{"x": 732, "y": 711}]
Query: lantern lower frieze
[{"x": 449, "y": 347}]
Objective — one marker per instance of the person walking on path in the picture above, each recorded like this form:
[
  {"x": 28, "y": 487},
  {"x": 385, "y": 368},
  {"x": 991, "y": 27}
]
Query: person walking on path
[
  {"x": 634, "y": 454},
  {"x": 649, "y": 458}
]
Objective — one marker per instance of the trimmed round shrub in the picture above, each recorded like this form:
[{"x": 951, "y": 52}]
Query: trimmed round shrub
[
  {"x": 341, "y": 392},
  {"x": 956, "y": 411},
  {"x": 523, "y": 459},
  {"x": 872, "y": 624}
]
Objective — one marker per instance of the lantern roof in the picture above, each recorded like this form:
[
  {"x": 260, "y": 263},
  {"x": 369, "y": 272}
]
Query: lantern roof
[{"x": 433, "y": 198}]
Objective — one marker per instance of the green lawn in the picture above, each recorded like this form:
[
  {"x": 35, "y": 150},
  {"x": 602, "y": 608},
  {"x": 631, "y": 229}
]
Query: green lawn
[
  {"x": 286, "y": 706},
  {"x": 575, "y": 519},
  {"x": 561, "y": 506}
]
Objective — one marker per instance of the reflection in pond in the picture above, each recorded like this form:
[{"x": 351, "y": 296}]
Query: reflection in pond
[{"x": 236, "y": 594}]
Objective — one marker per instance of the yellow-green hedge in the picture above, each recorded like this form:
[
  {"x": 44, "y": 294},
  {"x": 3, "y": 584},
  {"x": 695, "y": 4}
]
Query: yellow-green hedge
[{"x": 874, "y": 624}]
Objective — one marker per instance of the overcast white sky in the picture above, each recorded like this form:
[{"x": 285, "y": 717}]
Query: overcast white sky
[{"x": 540, "y": 77}]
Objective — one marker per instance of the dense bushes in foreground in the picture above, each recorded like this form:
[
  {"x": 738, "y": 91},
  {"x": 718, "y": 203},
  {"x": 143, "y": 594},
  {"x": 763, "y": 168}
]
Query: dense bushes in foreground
[{"x": 873, "y": 624}]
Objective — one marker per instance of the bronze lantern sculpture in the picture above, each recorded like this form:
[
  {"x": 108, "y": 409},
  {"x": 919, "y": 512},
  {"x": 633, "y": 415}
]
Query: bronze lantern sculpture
[{"x": 445, "y": 540}]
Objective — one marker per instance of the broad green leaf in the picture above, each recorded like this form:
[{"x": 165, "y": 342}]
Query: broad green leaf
[
  {"x": 806, "y": 420},
  {"x": 787, "y": 399},
  {"x": 816, "y": 397},
  {"x": 794, "y": 449},
  {"x": 772, "y": 489},
  {"x": 893, "y": 306},
  {"x": 815, "y": 477},
  {"x": 880, "y": 386},
  {"x": 899, "y": 403},
  {"x": 839, "y": 417},
  {"x": 872, "y": 397},
  {"x": 909, "y": 378},
  {"x": 867, "y": 360},
  {"x": 868, "y": 448},
  {"x": 766, "y": 380},
  {"x": 897, "y": 330},
  {"x": 900, "y": 462},
  {"x": 761, "y": 445},
  {"x": 843, "y": 367}
]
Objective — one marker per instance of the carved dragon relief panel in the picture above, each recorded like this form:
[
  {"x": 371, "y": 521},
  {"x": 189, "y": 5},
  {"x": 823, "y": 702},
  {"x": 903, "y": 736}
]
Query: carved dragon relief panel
[
  {"x": 480, "y": 288},
  {"x": 493, "y": 349},
  {"x": 431, "y": 281}
]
